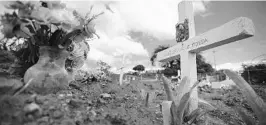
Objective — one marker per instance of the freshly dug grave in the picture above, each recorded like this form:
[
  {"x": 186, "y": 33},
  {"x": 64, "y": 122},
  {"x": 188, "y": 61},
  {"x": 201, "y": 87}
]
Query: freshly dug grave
[
  {"x": 82, "y": 104},
  {"x": 227, "y": 100},
  {"x": 102, "y": 103}
]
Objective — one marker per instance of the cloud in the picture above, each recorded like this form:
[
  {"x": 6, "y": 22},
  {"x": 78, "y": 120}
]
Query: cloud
[
  {"x": 156, "y": 18},
  {"x": 232, "y": 66},
  {"x": 96, "y": 55},
  {"x": 238, "y": 65},
  {"x": 118, "y": 45},
  {"x": 111, "y": 50}
]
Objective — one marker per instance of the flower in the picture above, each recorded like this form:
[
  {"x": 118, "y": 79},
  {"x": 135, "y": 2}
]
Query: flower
[{"x": 49, "y": 23}]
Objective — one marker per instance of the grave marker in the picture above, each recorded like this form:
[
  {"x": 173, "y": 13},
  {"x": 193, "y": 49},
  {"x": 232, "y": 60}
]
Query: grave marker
[
  {"x": 237, "y": 29},
  {"x": 121, "y": 70}
]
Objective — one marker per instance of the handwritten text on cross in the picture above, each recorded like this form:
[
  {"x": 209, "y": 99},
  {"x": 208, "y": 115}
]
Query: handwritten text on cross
[
  {"x": 237, "y": 29},
  {"x": 187, "y": 47}
]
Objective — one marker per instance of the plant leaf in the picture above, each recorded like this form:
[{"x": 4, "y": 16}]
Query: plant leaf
[
  {"x": 79, "y": 17},
  {"x": 45, "y": 27},
  {"x": 256, "y": 103},
  {"x": 181, "y": 88},
  {"x": 247, "y": 119},
  {"x": 14, "y": 5},
  {"x": 69, "y": 37},
  {"x": 174, "y": 115},
  {"x": 181, "y": 107},
  {"x": 24, "y": 20},
  {"x": 32, "y": 40},
  {"x": 55, "y": 38},
  {"x": 201, "y": 113},
  {"x": 184, "y": 102},
  {"x": 167, "y": 89},
  {"x": 192, "y": 115},
  {"x": 206, "y": 103},
  {"x": 31, "y": 29}
]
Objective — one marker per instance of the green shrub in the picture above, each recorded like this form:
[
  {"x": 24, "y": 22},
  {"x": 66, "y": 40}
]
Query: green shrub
[
  {"x": 256, "y": 103},
  {"x": 255, "y": 74}
]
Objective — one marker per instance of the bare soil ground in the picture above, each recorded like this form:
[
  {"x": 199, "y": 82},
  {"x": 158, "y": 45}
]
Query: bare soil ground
[
  {"x": 226, "y": 102},
  {"x": 99, "y": 103},
  {"x": 81, "y": 104}
]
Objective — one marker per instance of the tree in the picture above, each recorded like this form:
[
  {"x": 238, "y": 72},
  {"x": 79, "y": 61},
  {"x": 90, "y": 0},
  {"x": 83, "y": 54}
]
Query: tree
[
  {"x": 172, "y": 66},
  {"x": 139, "y": 68},
  {"x": 156, "y": 50},
  {"x": 202, "y": 66},
  {"x": 104, "y": 67},
  {"x": 254, "y": 74},
  {"x": 220, "y": 74}
]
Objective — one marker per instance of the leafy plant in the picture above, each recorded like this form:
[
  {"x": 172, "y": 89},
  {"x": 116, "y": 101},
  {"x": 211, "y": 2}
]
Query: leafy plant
[
  {"x": 255, "y": 74},
  {"x": 179, "y": 107},
  {"x": 102, "y": 73},
  {"x": 45, "y": 23},
  {"x": 103, "y": 70},
  {"x": 256, "y": 103}
]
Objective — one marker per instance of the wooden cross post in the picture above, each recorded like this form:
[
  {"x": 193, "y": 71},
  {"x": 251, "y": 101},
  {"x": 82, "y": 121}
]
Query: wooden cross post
[{"x": 237, "y": 29}]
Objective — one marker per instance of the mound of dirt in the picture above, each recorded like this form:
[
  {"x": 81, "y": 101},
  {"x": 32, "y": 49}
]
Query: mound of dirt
[
  {"x": 80, "y": 104},
  {"x": 227, "y": 101}
]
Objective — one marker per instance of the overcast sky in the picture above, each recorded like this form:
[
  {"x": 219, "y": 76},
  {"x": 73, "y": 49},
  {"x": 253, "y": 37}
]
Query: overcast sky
[{"x": 136, "y": 27}]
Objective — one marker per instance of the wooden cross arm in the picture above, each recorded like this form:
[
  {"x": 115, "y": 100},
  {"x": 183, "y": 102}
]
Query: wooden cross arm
[{"x": 232, "y": 31}]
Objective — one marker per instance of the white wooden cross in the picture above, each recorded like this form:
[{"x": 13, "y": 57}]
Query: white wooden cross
[
  {"x": 237, "y": 29},
  {"x": 121, "y": 70}
]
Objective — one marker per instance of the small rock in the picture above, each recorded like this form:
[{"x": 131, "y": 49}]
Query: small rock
[
  {"x": 67, "y": 100},
  {"x": 40, "y": 99},
  {"x": 8, "y": 85},
  {"x": 78, "y": 122},
  {"x": 31, "y": 99},
  {"x": 61, "y": 96},
  {"x": 68, "y": 122},
  {"x": 101, "y": 101},
  {"x": 92, "y": 114},
  {"x": 52, "y": 107},
  {"x": 30, "y": 117},
  {"x": 75, "y": 103},
  {"x": 78, "y": 117},
  {"x": 43, "y": 121},
  {"x": 57, "y": 114},
  {"x": 32, "y": 107},
  {"x": 105, "y": 95},
  {"x": 74, "y": 86},
  {"x": 69, "y": 94},
  {"x": 89, "y": 102},
  {"x": 88, "y": 108}
]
